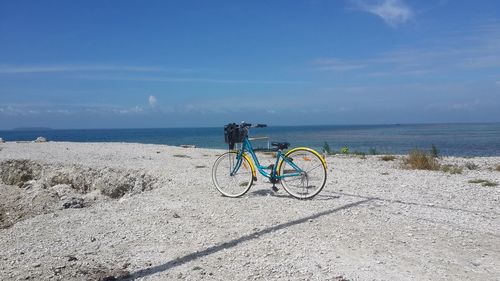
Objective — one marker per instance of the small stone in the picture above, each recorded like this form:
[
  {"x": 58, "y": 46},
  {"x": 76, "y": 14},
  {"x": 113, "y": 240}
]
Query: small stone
[
  {"x": 72, "y": 258},
  {"x": 175, "y": 215},
  {"x": 37, "y": 265},
  {"x": 92, "y": 239},
  {"x": 75, "y": 203}
]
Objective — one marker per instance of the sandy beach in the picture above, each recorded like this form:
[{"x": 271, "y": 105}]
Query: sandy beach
[{"x": 117, "y": 211}]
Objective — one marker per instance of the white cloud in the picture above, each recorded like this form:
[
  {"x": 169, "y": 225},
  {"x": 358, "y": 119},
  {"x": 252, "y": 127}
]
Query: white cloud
[
  {"x": 153, "y": 102},
  {"x": 393, "y": 12},
  {"x": 334, "y": 64}
]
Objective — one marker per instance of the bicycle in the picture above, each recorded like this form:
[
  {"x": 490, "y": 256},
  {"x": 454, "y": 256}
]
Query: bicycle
[{"x": 301, "y": 171}]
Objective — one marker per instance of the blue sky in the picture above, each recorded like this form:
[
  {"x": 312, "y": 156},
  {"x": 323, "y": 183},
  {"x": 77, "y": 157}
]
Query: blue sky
[{"x": 102, "y": 64}]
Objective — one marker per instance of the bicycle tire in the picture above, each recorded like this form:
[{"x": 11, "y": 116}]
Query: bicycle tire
[
  {"x": 313, "y": 179},
  {"x": 236, "y": 185}
]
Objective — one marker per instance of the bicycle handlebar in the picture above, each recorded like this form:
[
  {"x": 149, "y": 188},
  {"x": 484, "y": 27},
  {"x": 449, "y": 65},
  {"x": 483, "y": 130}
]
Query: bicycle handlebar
[{"x": 248, "y": 125}]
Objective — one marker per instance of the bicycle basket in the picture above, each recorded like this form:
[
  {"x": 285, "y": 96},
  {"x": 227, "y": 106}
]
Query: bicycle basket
[{"x": 233, "y": 134}]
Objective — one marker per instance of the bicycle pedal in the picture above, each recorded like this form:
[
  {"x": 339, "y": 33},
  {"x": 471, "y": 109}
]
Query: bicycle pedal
[{"x": 275, "y": 189}]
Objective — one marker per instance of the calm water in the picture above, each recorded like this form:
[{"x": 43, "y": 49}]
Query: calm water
[{"x": 451, "y": 139}]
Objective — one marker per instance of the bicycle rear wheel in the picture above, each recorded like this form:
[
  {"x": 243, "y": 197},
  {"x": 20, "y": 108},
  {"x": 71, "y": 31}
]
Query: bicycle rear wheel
[
  {"x": 311, "y": 177},
  {"x": 232, "y": 185}
]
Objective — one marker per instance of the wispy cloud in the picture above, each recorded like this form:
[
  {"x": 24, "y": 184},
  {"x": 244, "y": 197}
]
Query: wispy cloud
[
  {"x": 68, "y": 68},
  {"x": 66, "y": 109},
  {"x": 130, "y": 73},
  {"x": 335, "y": 64},
  {"x": 467, "y": 51},
  {"x": 393, "y": 12},
  {"x": 168, "y": 79}
]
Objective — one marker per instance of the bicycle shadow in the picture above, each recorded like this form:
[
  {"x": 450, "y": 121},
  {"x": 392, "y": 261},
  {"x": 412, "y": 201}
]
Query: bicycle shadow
[
  {"x": 409, "y": 203},
  {"x": 233, "y": 243}
]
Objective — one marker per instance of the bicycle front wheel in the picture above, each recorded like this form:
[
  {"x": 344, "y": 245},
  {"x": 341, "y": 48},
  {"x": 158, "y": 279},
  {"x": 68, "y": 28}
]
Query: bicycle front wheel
[
  {"x": 232, "y": 185},
  {"x": 304, "y": 176}
]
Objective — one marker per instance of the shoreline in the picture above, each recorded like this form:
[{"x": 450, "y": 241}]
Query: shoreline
[{"x": 191, "y": 146}]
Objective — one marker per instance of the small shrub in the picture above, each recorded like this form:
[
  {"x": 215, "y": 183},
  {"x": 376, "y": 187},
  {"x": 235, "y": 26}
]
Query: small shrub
[
  {"x": 452, "y": 169},
  {"x": 434, "y": 151},
  {"x": 484, "y": 182},
  {"x": 326, "y": 148},
  {"x": 388, "y": 158},
  {"x": 477, "y": 181},
  {"x": 372, "y": 151},
  {"x": 359, "y": 153},
  {"x": 471, "y": 166},
  {"x": 489, "y": 183},
  {"x": 420, "y": 160},
  {"x": 344, "y": 150}
]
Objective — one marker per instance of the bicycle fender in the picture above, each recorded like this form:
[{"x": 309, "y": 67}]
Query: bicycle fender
[
  {"x": 252, "y": 166},
  {"x": 303, "y": 148}
]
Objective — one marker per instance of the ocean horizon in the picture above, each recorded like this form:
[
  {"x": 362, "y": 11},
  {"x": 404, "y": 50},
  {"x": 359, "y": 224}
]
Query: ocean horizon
[{"x": 452, "y": 139}]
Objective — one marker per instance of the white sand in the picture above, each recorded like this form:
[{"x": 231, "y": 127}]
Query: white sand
[{"x": 373, "y": 220}]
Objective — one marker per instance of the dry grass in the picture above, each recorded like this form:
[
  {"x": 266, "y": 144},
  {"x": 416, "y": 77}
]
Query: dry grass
[
  {"x": 471, "y": 166},
  {"x": 452, "y": 169},
  {"x": 484, "y": 182},
  {"x": 388, "y": 158},
  {"x": 420, "y": 160}
]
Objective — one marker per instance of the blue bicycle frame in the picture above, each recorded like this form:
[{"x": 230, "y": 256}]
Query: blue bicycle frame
[{"x": 247, "y": 146}]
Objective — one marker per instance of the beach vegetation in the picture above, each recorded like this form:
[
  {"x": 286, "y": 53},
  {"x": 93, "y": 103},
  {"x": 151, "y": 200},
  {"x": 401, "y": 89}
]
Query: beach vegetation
[
  {"x": 344, "y": 150},
  {"x": 359, "y": 153},
  {"x": 420, "y": 160},
  {"x": 388, "y": 158},
  {"x": 434, "y": 151},
  {"x": 483, "y": 182},
  {"x": 372, "y": 151},
  {"x": 452, "y": 169},
  {"x": 471, "y": 166},
  {"x": 489, "y": 183},
  {"x": 326, "y": 148}
]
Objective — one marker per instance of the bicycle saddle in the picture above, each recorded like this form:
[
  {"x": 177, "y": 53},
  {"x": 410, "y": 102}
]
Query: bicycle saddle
[{"x": 281, "y": 145}]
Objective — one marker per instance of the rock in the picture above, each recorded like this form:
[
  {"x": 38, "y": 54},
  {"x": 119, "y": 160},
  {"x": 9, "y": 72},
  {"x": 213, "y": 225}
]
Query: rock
[
  {"x": 1, "y": 140},
  {"x": 33, "y": 184},
  {"x": 41, "y": 139},
  {"x": 72, "y": 258},
  {"x": 175, "y": 215},
  {"x": 62, "y": 190},
  {"x": 75, "y": 203},
  {"x": 188, "y": 146},
  {"x": 17, "y": 172}
]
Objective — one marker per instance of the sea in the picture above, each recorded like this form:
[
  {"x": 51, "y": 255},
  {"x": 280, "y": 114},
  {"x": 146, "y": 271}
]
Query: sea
[{"x": 467, "y": 140}]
